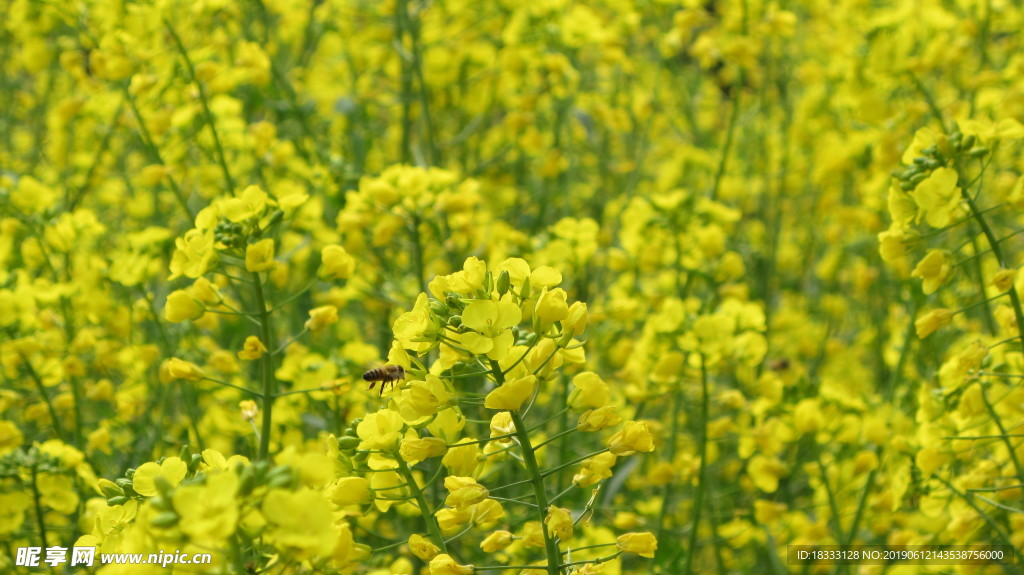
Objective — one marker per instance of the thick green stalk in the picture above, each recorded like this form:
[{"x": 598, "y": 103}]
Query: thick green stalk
[
  {"x": 554, "y": 558},
  {"x": 726, "y": 146},
  {"x": 990, "y": 322},
  {"x": 536, "y": 479},
  {"x": 1015, "y": 303},
  {"x": 421, "y": 501},
  {"x": 851, "y": 535},
  {"x": 37, "y": 500},
  {"x": 669, "y": 492},
  {"x": 698, "y": 497},
  {"x": 997, "y": 251},
  {"x": 69, "y": 336},
  {"x": 266, "y": 367},
  {"x": 46, "y": 399},
  {"x": 996, "y": 527},
  {"x": 221, "y": 158},
  {"x": 832, "y": 505},
  {"x": 1004, "y": 435},
  {"x": 154, "y": 152},
  {"x": 424, "y": 96},
  {"x": 406, "y": 83}
]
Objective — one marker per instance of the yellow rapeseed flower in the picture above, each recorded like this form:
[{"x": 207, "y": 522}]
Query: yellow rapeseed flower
[{"x": 259, "y": 256}]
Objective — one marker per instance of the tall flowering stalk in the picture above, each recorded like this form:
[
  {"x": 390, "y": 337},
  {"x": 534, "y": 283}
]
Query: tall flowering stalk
[{"x": 943, "y": 184}]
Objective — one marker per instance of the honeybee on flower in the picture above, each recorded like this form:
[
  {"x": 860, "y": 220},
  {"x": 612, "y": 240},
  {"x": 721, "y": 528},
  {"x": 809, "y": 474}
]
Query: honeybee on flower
[{"x": 384, "y": 375}]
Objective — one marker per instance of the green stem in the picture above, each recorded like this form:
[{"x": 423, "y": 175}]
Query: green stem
[
  {"x": 187, "y": 396},
  {"x": 997, "y": 251},
  {"x": 417, "y": 253},
  {"x": 509, "y": 568},
  {"x": 556, "y": 436},
  {"x": 908, "y": 334},
  {"x": 46, "y": 398},
  {"x": 421, "y": 501},
  {"x": 723, "y": 161},
  {"x": 150, "y": 145},
  {"x": 935, "y": 110},
  {"x": 233, "y": 386},
  {"x": 69, "y": 336},
  {"x": 424, "y": 96},
  {"x": 702, "y": 453},
  {"x": 669, "y": 491},
  {"x": 832, "y": 505},
  {"x": 97, "y": 157},
  {"x": 406, "y": 83},
  {"x": 267, "y": 367},
  {"x": 291, "y": 340},
  {"x": 221, "y": 159},
  {"x": 571, "y": 462},
  {"x": 1005, "y": 437},
  {"x": 987, "y": 518},
  {"x": 861, "y": 505},
  {"x": 37, "y": 500},
  {"x": 536, "y": 479},
  {"x": 990, "y": 322},
  {"x": 597, "y": 561}
]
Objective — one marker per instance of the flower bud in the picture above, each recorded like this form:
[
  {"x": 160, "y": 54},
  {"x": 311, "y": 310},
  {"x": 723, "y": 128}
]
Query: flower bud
[
  {"x": 444, "y": 564},
  {"x": 422, "y": 547},
  {"x": 1002, "y": 280},
  {"x": 454, "y": 301},
  {"x": 352, "y": 491},
  {"x": 164, "y": 520},
  {"x": 438, "y": 308},
  {"x": 109, "y": 488},
  {"x": 335, "y": 263},
  {"x": 181, "y": 306},
  {"x": 551, "y": 307},
  {"x": 348, "y": 443},
  {"x": 205, "y": 291},
  {"x": 321, "y": 317},
  {"x": 633, "y": 438},
  {"x": 181, "y": 369},
  {"x": 933, "y": 321},
  {"x": 496, "y": 541},
  {"x": 524, "y": 292},
  {"x": 643, "y": 544},
  {"x": 488, "y": 283},
  {"x": 275, "y": 218},
  {"x": 504, "y": 282},
  {"x": 576, "y": 320}
]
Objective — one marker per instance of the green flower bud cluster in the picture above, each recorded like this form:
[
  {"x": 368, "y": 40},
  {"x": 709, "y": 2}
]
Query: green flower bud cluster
[{"x": 947, "y": 149}]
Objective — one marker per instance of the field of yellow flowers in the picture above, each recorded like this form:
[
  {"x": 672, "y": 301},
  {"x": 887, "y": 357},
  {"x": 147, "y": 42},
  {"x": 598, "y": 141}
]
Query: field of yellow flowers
[{"x": 648, "y": 286}]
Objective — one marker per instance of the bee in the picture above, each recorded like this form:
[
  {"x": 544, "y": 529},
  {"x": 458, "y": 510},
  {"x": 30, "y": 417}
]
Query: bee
[
  {"x": 384, "y": 375},
  {"x": 779, "y": 364}
]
